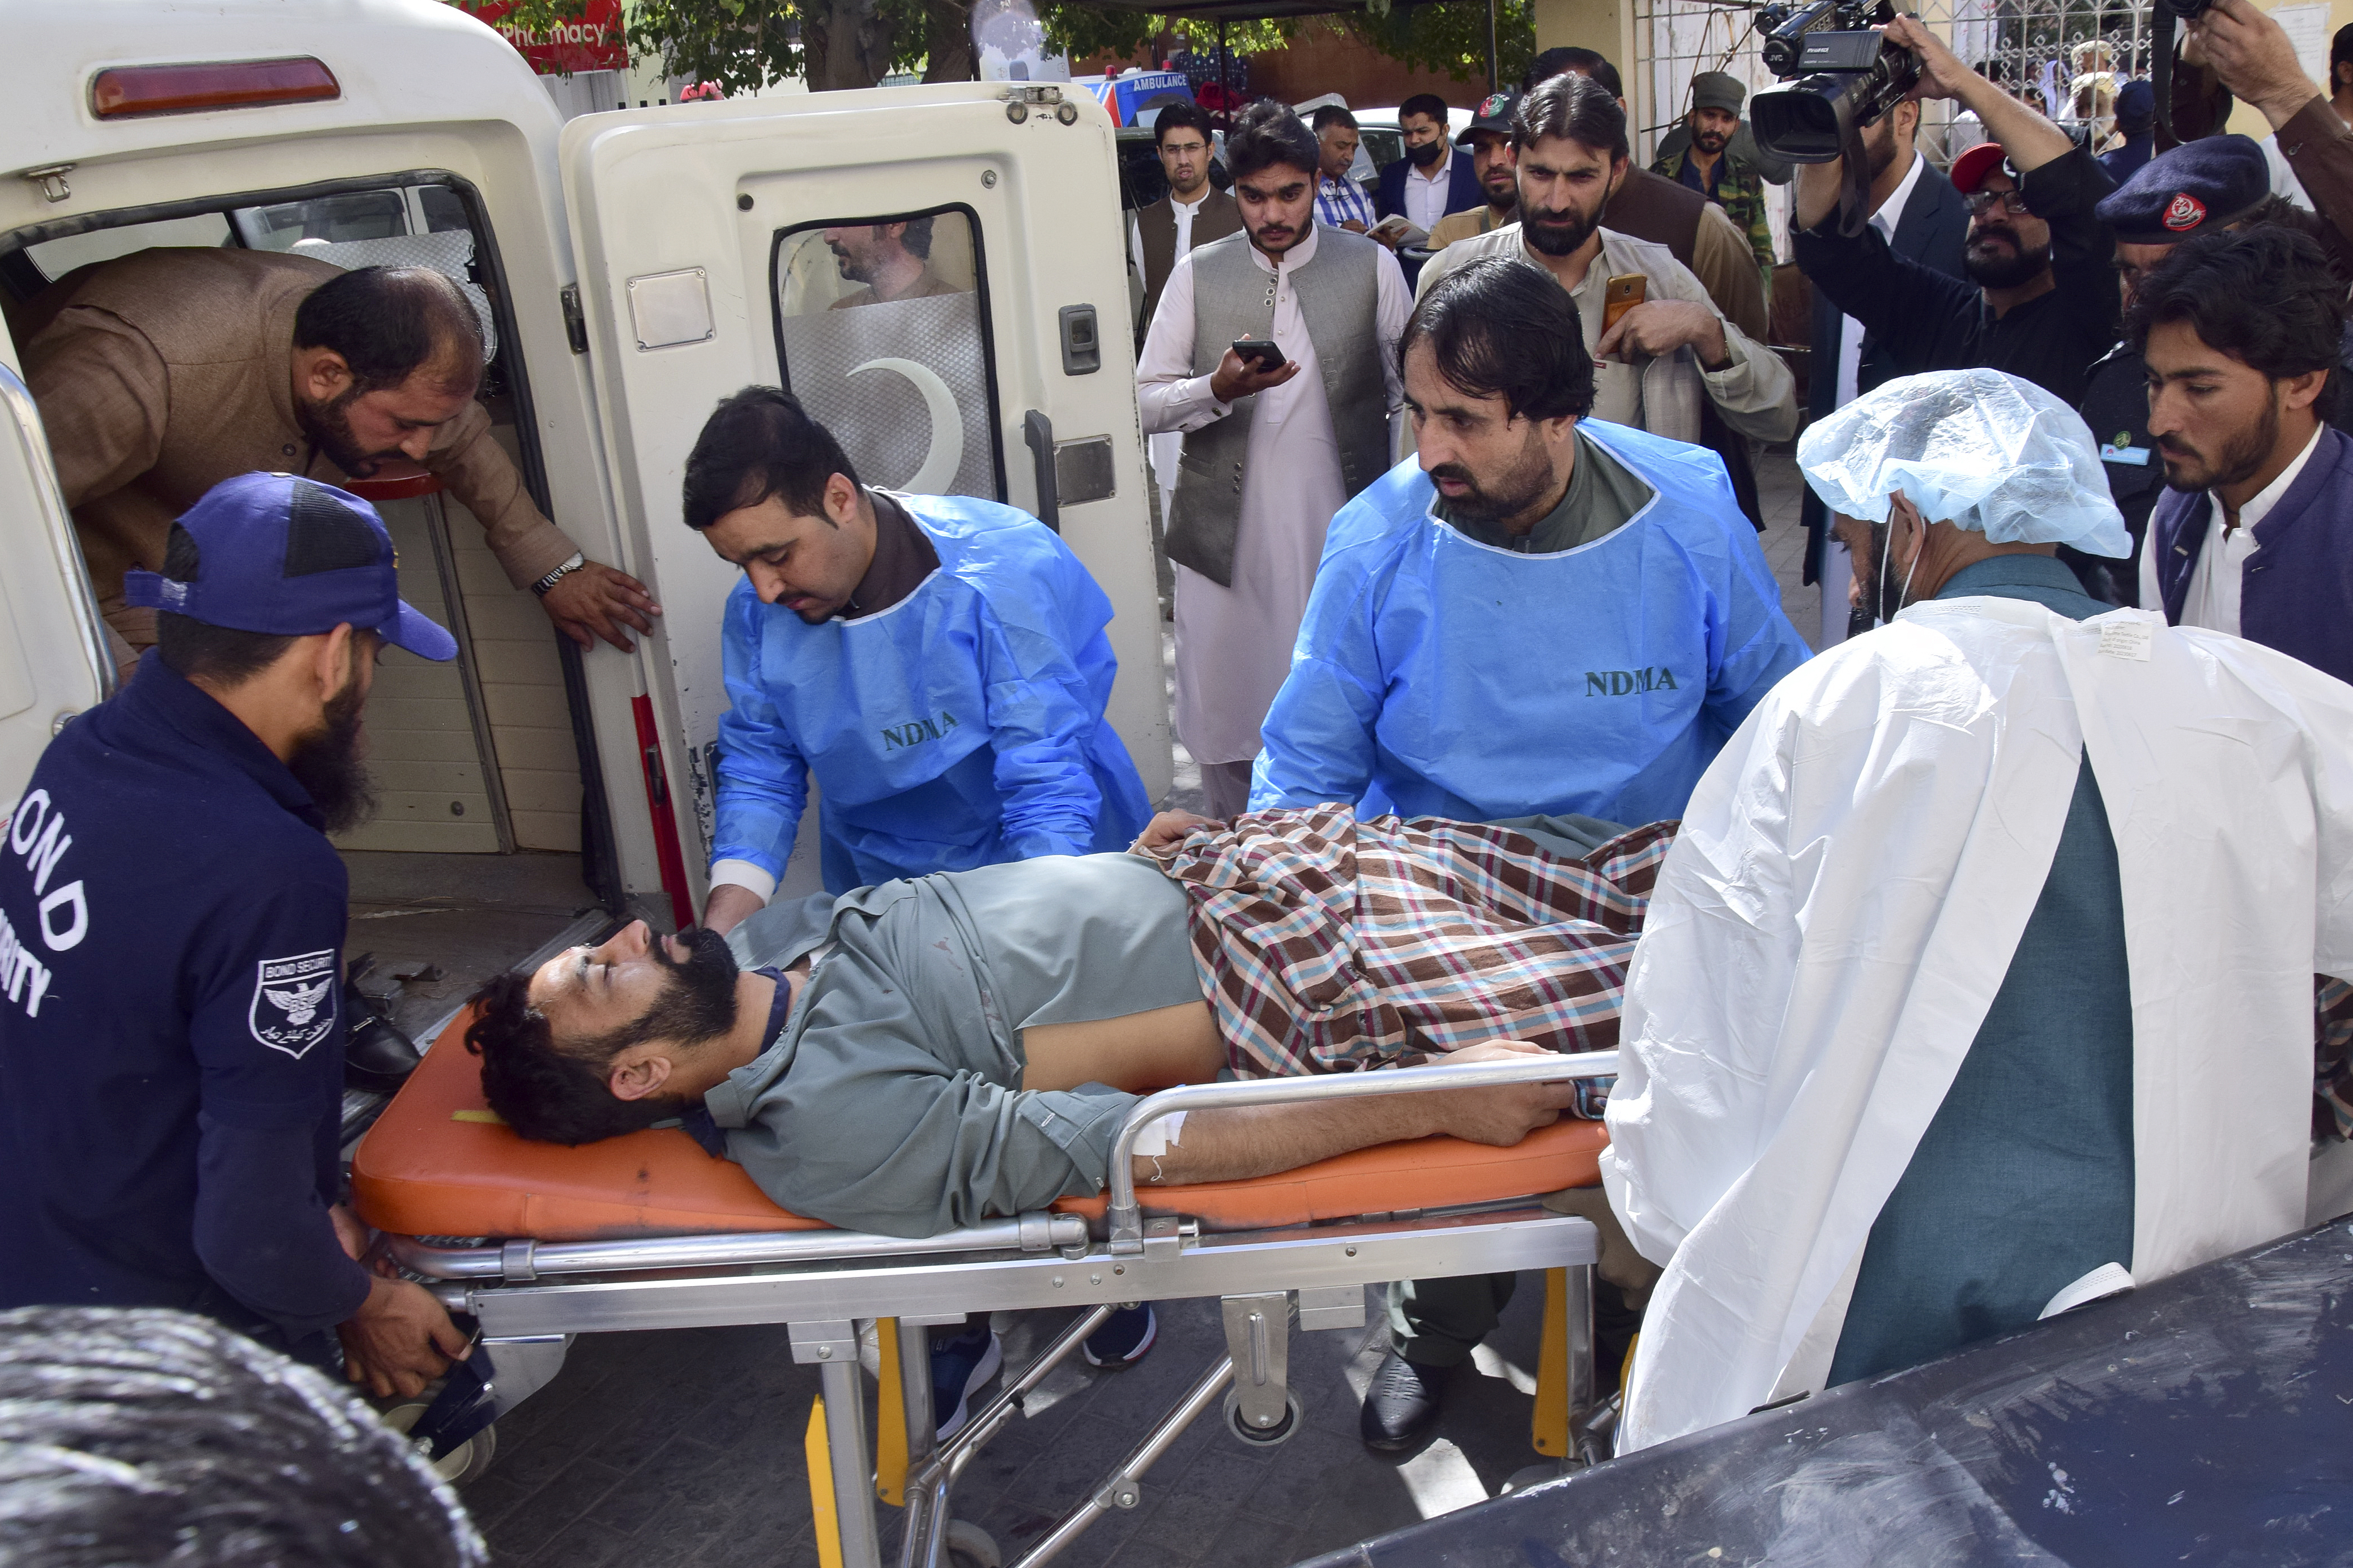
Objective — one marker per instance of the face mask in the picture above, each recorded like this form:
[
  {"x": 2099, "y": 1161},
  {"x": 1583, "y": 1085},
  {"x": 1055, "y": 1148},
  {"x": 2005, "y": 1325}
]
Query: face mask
[{"x": 1426, "y": 154}]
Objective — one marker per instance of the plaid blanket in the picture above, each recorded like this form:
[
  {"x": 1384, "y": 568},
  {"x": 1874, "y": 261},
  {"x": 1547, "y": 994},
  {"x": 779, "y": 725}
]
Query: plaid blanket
[
  {"x": 1330, "y": 944},
  {"x": 2332, "y": 1058}
]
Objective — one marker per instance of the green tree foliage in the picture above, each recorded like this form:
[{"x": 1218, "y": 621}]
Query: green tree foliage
[
  {"x": 742, "y": 45},
  {"x": 1452, "y": 36}
]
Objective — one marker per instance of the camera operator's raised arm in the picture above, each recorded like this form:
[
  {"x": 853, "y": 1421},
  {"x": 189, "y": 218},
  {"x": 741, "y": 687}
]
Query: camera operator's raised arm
[
  {"x": 2041, "y": 299},
  {"x": 2029, "y": 139}
]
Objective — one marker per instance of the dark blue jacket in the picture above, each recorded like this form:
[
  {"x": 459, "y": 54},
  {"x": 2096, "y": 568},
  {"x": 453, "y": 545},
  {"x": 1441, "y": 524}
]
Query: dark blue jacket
[
  {"x": 2295, "y": 592},
  {"x": 1933, "y": 231},
  {"x": 171, "y": 1039},
  {"x": 1461, "y": 190}
]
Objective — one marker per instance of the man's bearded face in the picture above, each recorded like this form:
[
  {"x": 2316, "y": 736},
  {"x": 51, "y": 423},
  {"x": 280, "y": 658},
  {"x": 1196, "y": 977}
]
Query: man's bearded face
[
  {"x": 2214, "y": 420},
  {"x": 1278, "y": 207},
  {"x": 2005, "y": 248},
  {"x": 1564, "y": 186},
  {"x": 1711, "y": 129},
  {"x": 1507, "y": 490},
  {"x": 1498, "y": 169},
  {"x": 330, "y": 762},
  {"x": 861, "y": 250},
  {"x": 698, "y": 997},
  {"x": 327, "y": 425}
]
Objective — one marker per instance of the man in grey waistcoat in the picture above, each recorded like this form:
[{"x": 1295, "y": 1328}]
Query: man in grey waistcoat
[{"x": 1271, "y": 450}]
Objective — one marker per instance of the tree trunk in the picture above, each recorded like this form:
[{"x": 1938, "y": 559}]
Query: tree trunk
[
  {"x": 846, "y": 43},
  {"x": 947, "y": 40}
]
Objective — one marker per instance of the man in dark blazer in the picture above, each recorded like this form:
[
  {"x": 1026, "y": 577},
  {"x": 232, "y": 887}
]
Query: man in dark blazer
[
  {"x": 1924, "y": 220},
  {"x": 1421, "y": 120}
]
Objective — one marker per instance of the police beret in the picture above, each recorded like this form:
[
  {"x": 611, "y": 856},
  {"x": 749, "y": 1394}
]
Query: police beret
[{"x": 2195, "y": 188}]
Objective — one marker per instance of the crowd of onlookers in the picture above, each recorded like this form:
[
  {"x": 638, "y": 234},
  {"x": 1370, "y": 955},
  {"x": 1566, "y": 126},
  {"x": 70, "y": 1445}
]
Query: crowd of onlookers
[{"x": 2022, "y": 251}]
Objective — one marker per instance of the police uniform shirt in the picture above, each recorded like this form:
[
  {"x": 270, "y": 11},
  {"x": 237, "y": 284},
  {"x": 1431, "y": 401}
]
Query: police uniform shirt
[{"x": 171, "y": 1045}]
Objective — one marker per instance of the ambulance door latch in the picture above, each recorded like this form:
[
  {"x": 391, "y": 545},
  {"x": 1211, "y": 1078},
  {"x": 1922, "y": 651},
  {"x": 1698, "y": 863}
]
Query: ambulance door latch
[{"x": 51, "y": 179}]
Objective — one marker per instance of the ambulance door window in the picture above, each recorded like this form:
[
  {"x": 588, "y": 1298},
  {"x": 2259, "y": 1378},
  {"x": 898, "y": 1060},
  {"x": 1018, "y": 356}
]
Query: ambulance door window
[
  {"x": 883, "y": 334},
  {"x": 56, "y": 258}
]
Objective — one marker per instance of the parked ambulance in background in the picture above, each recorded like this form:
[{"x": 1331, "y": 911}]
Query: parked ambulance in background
[{"x": 637, "y": 267}]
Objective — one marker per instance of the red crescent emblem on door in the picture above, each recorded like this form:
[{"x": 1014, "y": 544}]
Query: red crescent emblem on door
[{"x": 2185, "y": 211}]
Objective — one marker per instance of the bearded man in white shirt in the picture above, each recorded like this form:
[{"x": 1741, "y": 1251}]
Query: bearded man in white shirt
[
  {"x": 1271, "y": 449},
  {"x": 1979, "y": 980}
]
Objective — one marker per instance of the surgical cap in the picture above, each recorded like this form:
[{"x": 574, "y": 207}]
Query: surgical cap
[{"x": 1976, "y": 448}]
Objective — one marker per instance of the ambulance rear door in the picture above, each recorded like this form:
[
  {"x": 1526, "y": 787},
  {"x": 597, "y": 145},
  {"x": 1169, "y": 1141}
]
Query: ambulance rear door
[
  {"x": 54, "y": 661},
  {"x": 721, "y": 245}
]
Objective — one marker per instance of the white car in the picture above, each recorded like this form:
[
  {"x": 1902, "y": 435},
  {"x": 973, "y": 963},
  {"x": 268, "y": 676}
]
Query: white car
[{"x": 1380, "y": 142}]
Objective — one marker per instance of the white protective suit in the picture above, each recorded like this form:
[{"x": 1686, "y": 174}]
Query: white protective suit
[{"x": 1843, "y": 902}]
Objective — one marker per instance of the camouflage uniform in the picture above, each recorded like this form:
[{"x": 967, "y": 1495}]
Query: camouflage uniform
[{"x": 1740, "y": 192}]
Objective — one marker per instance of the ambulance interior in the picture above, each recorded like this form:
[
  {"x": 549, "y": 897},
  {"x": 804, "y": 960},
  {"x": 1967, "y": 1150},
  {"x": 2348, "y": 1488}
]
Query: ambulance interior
[
  {"x": 474, "y": 860},
  {"x": 532, "y": 794}
]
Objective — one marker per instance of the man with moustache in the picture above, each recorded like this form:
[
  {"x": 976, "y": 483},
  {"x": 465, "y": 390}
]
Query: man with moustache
[
  {"x": 161, "y": 374},
  {"x": 171, "y": 926},
  {"x": 1666, "y": 212},
  {"x": 892, "y": 260},
  {"x": 1271, "y": 450},
  {"x": 2255, "y": 535},
  {"x": 2041, "y": 299},
  {"x": 1664, "y": 358},
  {"x": 1493, "y": 159},
  {"x": 2201, "y": 188},
  {"x": 1340, "y": 201},
  {"x": 1523, "y": 526},
  {"x": 1706, "y": 165}
]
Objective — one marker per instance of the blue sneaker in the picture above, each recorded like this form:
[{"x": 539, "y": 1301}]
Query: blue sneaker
[
  {"x": 1123, "y": 1339},
  {"x": 960, "y": 1363}
]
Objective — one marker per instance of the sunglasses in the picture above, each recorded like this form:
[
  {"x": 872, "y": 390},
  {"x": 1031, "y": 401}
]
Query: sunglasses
[{"x": 1980, "y": 202}]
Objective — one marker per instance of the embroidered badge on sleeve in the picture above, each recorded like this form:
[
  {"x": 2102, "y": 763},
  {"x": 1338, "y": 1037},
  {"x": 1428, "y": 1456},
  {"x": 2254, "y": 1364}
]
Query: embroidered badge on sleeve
[{"x": 294, "y": 1001}]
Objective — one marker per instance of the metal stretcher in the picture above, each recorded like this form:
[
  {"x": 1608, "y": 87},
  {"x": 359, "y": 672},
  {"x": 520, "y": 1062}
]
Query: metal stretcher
[{"x": 539, "y": 1243}]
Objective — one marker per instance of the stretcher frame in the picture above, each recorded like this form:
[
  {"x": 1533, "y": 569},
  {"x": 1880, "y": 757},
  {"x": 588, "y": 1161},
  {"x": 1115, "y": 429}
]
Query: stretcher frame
[{"x": 530, "y": 1298}]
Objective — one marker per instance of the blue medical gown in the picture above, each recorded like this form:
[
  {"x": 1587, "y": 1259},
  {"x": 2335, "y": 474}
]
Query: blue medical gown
[
  {"x": 963, "y": 726},
  {"x": 1435, "y": 676}
]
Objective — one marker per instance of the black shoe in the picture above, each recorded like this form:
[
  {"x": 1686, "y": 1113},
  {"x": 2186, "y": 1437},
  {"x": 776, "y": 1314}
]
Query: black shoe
[
  {"x": 1123, "y": 1339},
  {"x": 1401, "y": 1406},
  {"x": 377, "y": 1056}
]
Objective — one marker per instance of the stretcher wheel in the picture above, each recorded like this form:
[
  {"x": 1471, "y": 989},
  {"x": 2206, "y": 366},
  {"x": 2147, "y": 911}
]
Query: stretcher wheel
[
  {"x": 1262, "y": 1437},
  {"x": 969, "y": 1546},
  {"x": 462, "y": 1465}
]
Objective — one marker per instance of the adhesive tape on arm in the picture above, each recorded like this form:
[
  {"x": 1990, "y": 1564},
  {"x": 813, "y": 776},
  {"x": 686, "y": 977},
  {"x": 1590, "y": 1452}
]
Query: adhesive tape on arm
[{"x": 1161, "y": 1136}]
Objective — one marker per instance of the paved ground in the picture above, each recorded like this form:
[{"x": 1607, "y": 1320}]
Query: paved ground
[{"x": 685, "y": 1448}]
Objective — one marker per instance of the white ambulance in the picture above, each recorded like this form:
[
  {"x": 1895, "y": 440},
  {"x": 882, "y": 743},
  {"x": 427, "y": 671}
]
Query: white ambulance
[{"x": 637, "y": 267}]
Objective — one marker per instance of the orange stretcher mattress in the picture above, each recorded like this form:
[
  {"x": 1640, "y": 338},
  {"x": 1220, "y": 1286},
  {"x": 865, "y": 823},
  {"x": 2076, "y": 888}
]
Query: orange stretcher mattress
[{"x": 436, "y": 1164}]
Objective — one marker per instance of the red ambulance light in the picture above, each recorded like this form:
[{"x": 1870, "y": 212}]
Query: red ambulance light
[{"x": 128, "y": 93}]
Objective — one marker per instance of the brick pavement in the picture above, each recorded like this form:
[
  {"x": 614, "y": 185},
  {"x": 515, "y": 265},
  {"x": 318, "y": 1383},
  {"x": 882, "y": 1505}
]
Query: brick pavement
[{"x": 684, "y": 1449}]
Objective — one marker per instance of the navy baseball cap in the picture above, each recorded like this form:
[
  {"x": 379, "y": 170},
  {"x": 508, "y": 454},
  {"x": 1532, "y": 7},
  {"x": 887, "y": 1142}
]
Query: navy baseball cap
[
  {"x": 290, "y": 557},
  {"x": 2195, "y": 188}
]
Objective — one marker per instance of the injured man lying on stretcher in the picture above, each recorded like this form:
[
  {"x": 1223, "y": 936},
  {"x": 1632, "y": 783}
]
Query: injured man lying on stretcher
[{"x": 929, "y": 1052}]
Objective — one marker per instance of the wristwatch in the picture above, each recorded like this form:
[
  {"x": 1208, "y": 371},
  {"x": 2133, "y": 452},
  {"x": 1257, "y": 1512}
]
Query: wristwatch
[{"x": 559, "y": 574}]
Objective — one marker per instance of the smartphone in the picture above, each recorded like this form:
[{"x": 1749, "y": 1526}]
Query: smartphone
[
  {"x": 1267, "y": 355},
  {"x": 1620, "y": 294}
]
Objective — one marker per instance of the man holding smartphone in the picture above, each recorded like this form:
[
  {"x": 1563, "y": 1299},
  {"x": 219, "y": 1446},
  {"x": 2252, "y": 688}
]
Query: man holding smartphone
[{"x": 1273, "y": 351}]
